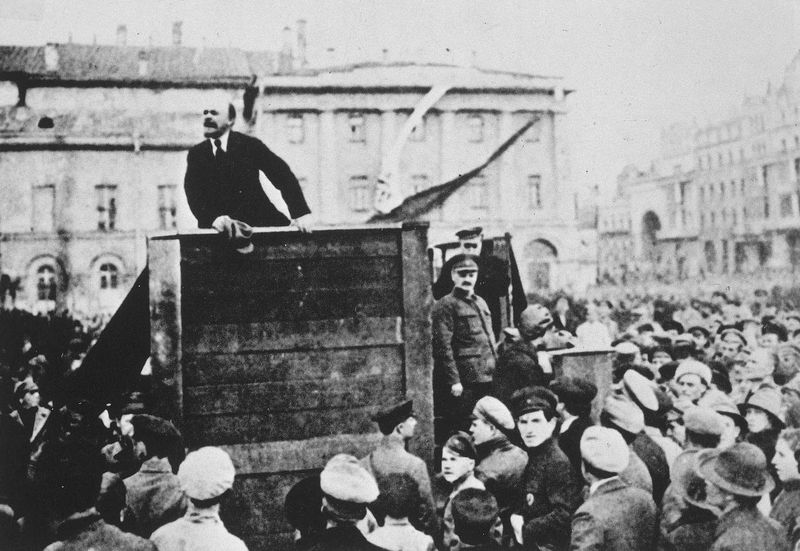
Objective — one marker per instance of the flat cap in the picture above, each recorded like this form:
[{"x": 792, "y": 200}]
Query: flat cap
[
  {"x": 604, "y": 449},
  {"x": 468, "y": 233},
  {"x": 391, "y": 416},
  {"x": 493, "y": 411},
  {"x": 574, "y": 389},
  {"x": 465, "y": 262},
  {"x": 474, "y": 514},
  {"x": 344, "y": 479},
  {"x": 626, "y": 348},
  {"x": 693, "y": 367},
  {"x": 623, "y": 413},
  {"x": 206, "y": 473},
  {"x": 640, "y": 389},
  {"x": 533, "y": 398},
  {"x": 461, "y": 444},
  {"x": 703, "y": 420}
]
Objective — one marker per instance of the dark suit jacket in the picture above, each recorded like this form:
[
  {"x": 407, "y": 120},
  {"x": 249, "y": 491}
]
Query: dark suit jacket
[
  {"x": 570, "y": 443},
  {"x": 746, "y": 529},
  {"x": 232, "y": 187},
  {"x": 656, "y": 462}
]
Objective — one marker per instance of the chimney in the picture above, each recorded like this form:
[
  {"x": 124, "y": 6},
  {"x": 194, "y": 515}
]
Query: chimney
[
  {"x": 51, "y": 57},
  {"x": 301, "y": 43},
  {"x": 177, "y": 33},
  {"x": 285, "y": 55},
  {"x": 122, "y": 35},
  {"x": 143, "y": 68},
  {"x": 385, "y": 55},
  {"x": 330, "y": 57}
]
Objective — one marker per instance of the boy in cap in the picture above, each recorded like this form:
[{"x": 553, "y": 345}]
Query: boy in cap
[
  {"x": 736, "y": 480},
  {"x": 398, "y": 498},
  {"x": 500, "y": 464},
  {"x": 154, "y": 495},
  {"x": 615, "y": 515},
  {"x": 550, "y": 490},
  {"x": 347, "y": 490},
  {"x": 464, "y": 348},
  {"x": 575, "y": 397},
  {"x": 458, "y": 469},
  {"x": 397, "y": 424},
  {"x": 206, "y": 475},
  {"x": 474, "y": 515},
  {"x": 623, "y": 416}
]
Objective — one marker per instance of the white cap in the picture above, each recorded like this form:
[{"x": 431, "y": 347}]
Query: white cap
[
  {"x": 604, "y": 449},
  {"x": 206, "y": 473}
]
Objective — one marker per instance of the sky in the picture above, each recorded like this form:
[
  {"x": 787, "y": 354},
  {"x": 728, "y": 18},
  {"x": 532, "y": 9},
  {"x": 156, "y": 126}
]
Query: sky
[{"x": 636, "y": 65}]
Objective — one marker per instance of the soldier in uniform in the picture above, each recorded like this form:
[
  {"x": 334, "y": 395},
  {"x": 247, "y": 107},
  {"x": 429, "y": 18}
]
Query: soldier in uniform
[
  {"x": 464, "y": 349},
  {"x": 397, "y": 425}
]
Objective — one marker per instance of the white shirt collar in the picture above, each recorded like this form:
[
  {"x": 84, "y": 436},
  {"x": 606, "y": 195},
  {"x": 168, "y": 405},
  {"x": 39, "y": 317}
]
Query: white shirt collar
[
  {"x": 596, "y": 484},
  {"x": 223, "y": 139},
  {"x": 566, "y": 424}
]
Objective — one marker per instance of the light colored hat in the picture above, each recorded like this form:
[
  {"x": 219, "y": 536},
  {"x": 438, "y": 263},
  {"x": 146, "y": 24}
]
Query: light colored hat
[
  {"x": 641, "y": 390},
  {"x": 206, "y": 473},
  {"x": 733, "y": 335},
  {"x": 693, "y": 367},
  {"x": 345, "y": 480},
  {"x": 604, "y": 449},
  {"x": 623, "y": 413},
  {"x": 493, "y": 411},
  {"x": 702, "y": 420},
  {"x": 626, "y": 348},
  {"x": 722, "y": 404}
]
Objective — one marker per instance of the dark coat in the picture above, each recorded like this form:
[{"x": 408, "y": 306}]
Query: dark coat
[
  {"x": 500, "y": 467},
  {"x": 551, "y": 495},
  {"x": 91, "y": 532},
  {"x": 656, "y": 462},
  {"x": 786, "y": 509},
  {"x": 615, "y": 517},
  {"x": 463, "y": 343},
  {"x": 342, "y": 538},
  {"x": 570, "y": 442},
  {"x": 518, "y": 367},
  {"x": 694, "y": 531},
  {"x": 233, "y": 188},
  {"x": 746, "y": 529},
  {"x": 570, "y": 323},
  {"x": 154, "y": 497}
]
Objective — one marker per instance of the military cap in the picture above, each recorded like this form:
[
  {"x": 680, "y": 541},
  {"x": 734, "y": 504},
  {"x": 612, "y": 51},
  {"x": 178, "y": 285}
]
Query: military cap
[
  {"x": 302, "y": 506},
  {"x": 574, "y": 390},
  {"x": 693, "y": 367},
  {"x": 626, "y": 348},
  {"x": 206, "y": 473},
  {"x": 345, "y": 480},
  {"x": 733, "y": 334},
  {"x": 605, "y": 449},
  {"x": 461, "y": 444},
  {"x": 699, "y": 329},
  {"x": 640, "y": 389},
  {"x": 389, "y": 417},
  {"x": 474, "y": 515},
  {"x": 493, "y": 411},
  {"x": 703, "y": 420},
  {"x": 623, "y": 414},
  {"x": 469, "y": 233},
  {"x": 533, "y": 398},
  {"x": 465, "y": 262}
]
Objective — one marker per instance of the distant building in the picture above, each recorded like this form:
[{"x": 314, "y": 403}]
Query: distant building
[
  {"x": 722, "y": 199},
  {"x": 93, "y": 144}
]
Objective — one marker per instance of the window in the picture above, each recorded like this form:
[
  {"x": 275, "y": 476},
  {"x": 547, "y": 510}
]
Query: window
[
  {"x": 475, "y": 124},
  {"x": 702, "y": 221},
  {"x": 786, "y": 205},
  {"x": 733, "y": 188},
  {"x": 722, "y": 191},
  {"x": 741, "y": 183},
  {"x": 359, "y": 194},
  {"x": 167, "y": 207},
  {"x": 478, "y": 193},
  {"x": 418, "y": 132},
  {"x": 713, "y": 219},
  {"x": 106, "y": 206},
  {"x": 419, "y": 182},
  {"x": 109, "y": 276},
  {"x": 295, "y": 127},
  {"x": 46, "y": 283},
  {"x": 534, "y": 191},
  {"x": 357, "y": 128},
  {"x": 43, "y": 213}
]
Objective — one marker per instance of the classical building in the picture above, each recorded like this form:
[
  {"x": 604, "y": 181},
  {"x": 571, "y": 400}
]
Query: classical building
[
  {"x": 721, "y": 199},
  {"x": 93, "y": 142}
]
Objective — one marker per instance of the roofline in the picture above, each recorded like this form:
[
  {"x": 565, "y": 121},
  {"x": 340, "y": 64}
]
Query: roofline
[
  {"x": 41, "y": 81},
  {"x": 416, "y": 89},
  {"x": 312, "y": 71}
]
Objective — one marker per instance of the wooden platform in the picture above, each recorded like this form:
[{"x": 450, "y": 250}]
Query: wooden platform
[{"x": 282, "y": 356}]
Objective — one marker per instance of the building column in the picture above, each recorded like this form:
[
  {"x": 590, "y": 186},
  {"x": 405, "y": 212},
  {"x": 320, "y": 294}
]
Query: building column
[{"x": 328, "y": 186}]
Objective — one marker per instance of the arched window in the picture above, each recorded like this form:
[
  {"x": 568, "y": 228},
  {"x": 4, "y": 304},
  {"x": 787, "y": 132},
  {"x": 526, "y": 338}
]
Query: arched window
[
  {"x": 46, "y": 282},
  {"x": 109, "y": 276}
]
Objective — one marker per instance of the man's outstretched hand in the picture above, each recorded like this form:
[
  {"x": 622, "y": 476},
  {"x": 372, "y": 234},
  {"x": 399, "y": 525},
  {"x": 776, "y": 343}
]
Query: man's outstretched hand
[{"x": 303, "y": 223}]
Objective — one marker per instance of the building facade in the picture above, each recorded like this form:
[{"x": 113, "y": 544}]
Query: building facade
[
  {"x": 93, "y": 143},
  {"x": 721, "y": 200}
]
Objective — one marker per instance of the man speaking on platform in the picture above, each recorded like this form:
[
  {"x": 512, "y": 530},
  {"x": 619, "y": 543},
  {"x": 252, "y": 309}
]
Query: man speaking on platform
[{"x": 222, "y": 180}]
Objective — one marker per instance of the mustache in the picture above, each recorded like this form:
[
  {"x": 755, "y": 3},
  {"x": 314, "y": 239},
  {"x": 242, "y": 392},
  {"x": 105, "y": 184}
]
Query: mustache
[{"x": 209, "y": 124}]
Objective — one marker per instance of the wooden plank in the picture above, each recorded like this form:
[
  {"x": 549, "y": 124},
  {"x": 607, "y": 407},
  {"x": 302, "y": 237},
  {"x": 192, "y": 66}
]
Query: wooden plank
[
  {"x": 277, "y": 335},
  {"x": 278, "y": 397},
  {"x": 230, "y": 306},
  {"x": 417, "y": 304},
  {"x": 220, "y": 369},
  {"x": 295, "y": 425},
  {"x": 166, "y": 328},
  {"x": 595, "y": 366}
]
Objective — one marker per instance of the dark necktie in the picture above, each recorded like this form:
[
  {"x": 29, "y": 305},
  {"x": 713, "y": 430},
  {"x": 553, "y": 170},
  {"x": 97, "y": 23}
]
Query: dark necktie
[{"x": 220, "y": 154}]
